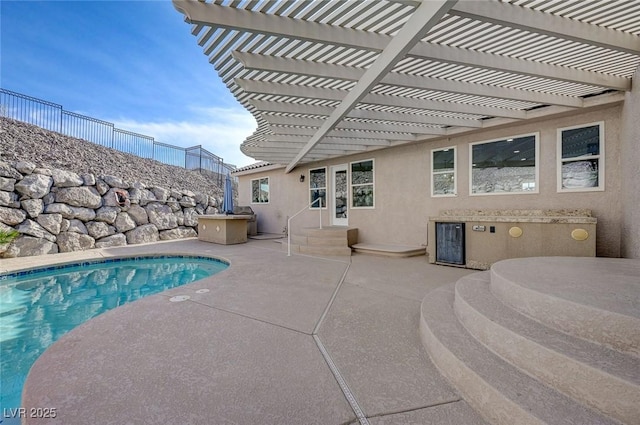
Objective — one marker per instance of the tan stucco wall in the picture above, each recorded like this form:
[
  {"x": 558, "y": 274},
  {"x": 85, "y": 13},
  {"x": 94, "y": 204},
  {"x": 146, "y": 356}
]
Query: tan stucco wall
[
  {"x": 403, "y": 202},
  {"x": 630, "y": 164}
]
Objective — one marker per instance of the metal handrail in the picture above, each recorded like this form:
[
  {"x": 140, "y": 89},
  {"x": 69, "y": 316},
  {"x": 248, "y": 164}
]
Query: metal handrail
[{"x": 289, "y": 223}]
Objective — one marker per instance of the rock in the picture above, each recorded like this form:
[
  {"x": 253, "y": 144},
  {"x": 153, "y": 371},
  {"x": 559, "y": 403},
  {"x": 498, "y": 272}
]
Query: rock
[
  {"x": 138, "y": 185},
  {"x": 99, "y": 229},
  {"x": 33, "y": 207},
  {"x": 202, "y": 199},
  {"x": 179, "y": 217},
  {"x": 124, "y": 222},
  {"x": 62, "y": 178},
  {"x": 76, "y": 226},
  {"x": 64, "y": 225},
  {"x": 175, "y": 194},
  {"x": 7, "y": 184},
  {"x": 200, "y": 209},
  {"x": 190, "y": 217},
  {"x": 43, "y": 171},
  {"x": 12, "y": 216},
  {"x": 83, "y": 196},
  {"x": 9, "y": 199},
  {"x": 114, "y": 240},
  {"x": 138, "y": 214},
  {"x": 8, "y": 171},
  {"x": 107, "y": 214},
  {"x": 110, "y": 199},
  {"x": 49, "y": 198},
  {"x": 25, "y": 167},
  {"x": 57, "y": 208},
  {"x": 84, "y": 214},
  {"x": 187, "y": 201},
  {"x": 174, "y": 205},
  {"x": 114, "y": 181},
  {"x": 102, "y": 187},
  {"x": 34, "y": 186},
  {"x": 211, "y": 210},
  {"x": 26, "y": 246},
  {"x": 71, "y": 241},
  {"x": 162, "y": 216},
  {"x": 161, "y": 193},
  {"x": 31, "y": 228},
  {"x": 188, "y": 193},
  {"x": 143, "y": 196},
  {"x": 50, "y": 222},
  {"x": 88, "y": 179},
  {"x": 178, "y": 233},
  {"x": 143, "y": 234}
]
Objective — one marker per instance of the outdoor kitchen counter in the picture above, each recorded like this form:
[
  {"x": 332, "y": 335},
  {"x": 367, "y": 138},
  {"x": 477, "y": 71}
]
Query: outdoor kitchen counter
[{"x": 223, "y": 229}]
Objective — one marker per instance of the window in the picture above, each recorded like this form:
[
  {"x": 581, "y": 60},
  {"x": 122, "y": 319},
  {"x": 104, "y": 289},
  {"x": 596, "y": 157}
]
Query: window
[
  {"x": 362, "y": 184},
  {"x": 318, "y": 187},
  {"x": 260, "y": 190},
  {"x": 443, "y": 172},
  {"x": 581, "y": 158},
  {"x": 505, "y": 166}
]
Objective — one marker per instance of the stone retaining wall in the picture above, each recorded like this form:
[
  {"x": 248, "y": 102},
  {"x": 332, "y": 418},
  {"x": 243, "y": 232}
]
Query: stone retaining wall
[{"x": 60, "y": 211}]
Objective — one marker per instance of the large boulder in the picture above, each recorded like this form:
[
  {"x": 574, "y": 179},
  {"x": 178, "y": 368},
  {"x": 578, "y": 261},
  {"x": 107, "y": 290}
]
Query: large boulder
[
  {"x": 161, "y": 193},
  {"x": 83, "y": 196},
  {"x": 63, "y": 178},
  {"x": 190, "y": 217},
  {"x": 34, "y": 186},
  {"x": 107, "y": 214},
  {"x": 26, "y": 246},
  {"x": 88, "y": 179},
  {"x": 162, "y": 216},
  {"x": 6, "y": 170},
  {"x": 31, "y": 228},
  {"x": 71, "y": 241},
  {"x": 51, "y": 222},
  {"x": 114, "y": 181},
  {"x": 9, "y": 199},
  {"x": 110, "y": 198},
  {"x": 77, "y": 226},
  {"x": 12, "y": 216},
  {"x": 99, "y": 229},
  {"x": 138, "y": 214},
  {"x": 83, "y": 214},
  {"x": 178, "y": 233},
  {"x": 7, "y": 184},
  {"x": 59, "y": 208},
  {"x": 143, "y": 234},
  {"x": 124, "y": 222},
  {"x": 141, "y": 196},
  {"x": 25, "y": 167},
  {"x": 33, "y": 207},
  {"x": 114, "y": 240},
  {"x": 187, "y": 201}
]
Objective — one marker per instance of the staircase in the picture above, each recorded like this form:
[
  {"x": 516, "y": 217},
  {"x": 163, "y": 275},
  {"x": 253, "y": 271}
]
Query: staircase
[
  {"x": 330, "y": 241},
  {"x": 552, "y": 340}
]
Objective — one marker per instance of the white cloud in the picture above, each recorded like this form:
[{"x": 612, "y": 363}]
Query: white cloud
[{"x": 218, "y": 130}]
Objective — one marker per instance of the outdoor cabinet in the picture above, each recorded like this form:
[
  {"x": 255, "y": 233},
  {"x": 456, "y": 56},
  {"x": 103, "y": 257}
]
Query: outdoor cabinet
[{"x": 450, "y": 243}]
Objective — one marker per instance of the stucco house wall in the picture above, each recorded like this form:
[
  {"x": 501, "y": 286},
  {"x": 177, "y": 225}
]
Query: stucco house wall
[
  {"x": 403, "y": 201},
  {"x": 630, "y": 164}
]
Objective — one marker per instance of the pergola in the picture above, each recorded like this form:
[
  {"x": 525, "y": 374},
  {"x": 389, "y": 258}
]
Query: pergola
[{"x": 329, "y": 78}]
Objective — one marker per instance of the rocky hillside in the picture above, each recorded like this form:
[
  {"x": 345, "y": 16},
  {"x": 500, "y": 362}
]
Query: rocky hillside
[{"x": 48, "y": 149}]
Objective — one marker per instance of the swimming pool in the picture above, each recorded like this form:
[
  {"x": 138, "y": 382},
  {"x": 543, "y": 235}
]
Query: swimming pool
[{"x": 37, "y": 307}]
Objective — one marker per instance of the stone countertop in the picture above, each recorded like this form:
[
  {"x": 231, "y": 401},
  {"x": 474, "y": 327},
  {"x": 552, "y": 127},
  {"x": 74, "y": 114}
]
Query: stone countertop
[
  {"x": 516, "y": 219},
  {"x": 225, "y": 217}
]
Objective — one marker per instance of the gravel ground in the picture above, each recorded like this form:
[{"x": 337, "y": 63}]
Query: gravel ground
[{"x": 48, "y": 149}]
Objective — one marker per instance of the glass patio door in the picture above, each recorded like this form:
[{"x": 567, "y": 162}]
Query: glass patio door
[{"x": 340, "y": 198}]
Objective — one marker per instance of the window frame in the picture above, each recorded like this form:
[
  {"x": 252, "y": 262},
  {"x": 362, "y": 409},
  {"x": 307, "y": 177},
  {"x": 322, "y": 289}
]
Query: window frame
[
  {"x": 311, "y": 189},
  {"x": 455, "y": 173},
  {"x": 600, "y": 157},
  {"x": 372, "y": 184},
  {"x": 536, "y": 136},
  {"x": 259, "y": 189}
]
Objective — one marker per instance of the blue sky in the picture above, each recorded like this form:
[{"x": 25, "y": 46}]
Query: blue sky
[{"x": 130, "y": 62}]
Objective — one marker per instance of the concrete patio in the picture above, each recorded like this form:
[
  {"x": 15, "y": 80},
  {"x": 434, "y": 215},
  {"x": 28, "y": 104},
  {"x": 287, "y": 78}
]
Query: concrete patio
[{"x": 251, "y": 349}]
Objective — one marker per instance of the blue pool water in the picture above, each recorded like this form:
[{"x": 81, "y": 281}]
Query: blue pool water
[{"x": 38, "y": 307}]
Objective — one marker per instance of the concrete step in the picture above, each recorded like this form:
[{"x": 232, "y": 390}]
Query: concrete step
[
  {"x": 597, "y": 376},
  {"x": 389, "y": 250},
  {"x": 350, "y": 234},
  {"x": 597, "y": 299},
  {"x": 331, "y": 251},
  {"x": 499, "y": 391}
]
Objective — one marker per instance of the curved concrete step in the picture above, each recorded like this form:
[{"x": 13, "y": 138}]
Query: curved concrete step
[
  {"x": 595, "y": 375},
  {"x": 597, "y": 299},
  {"x": 499, "y": 391}
]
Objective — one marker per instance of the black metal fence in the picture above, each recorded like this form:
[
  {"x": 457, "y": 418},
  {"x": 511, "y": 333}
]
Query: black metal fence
[{"x": 52, "y": 116}]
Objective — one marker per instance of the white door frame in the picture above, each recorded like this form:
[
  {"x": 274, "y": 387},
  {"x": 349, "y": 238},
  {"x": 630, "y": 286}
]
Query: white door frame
[{"x": 343, "y": 205}]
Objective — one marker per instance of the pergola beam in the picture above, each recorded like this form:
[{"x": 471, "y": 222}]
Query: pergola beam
[
  {"x": 356, "y": 125},
  {"x": 347, "y": 134},
  {"x": 426, "y": 16}
]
